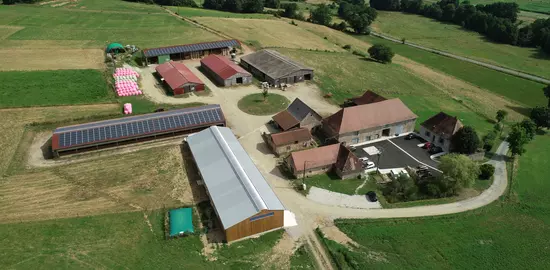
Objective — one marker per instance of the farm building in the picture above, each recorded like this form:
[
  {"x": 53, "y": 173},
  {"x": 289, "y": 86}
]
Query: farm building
[
  {"x": 334, "y": 157},
  {"x": 244, "y": 202},
  {"x": 114, "y": 132},
  {"x": 439, "y": 130},
  {"x": 298, "y": 114},
  {"x": 288, "y": 141},
  {"x": 188, "y": 51},
  {"x": 275, "y": 68},
  {"x": 367, "y": 98},
  {"x": 179, "y": 78},
  {"x": 367, "y": 122},
  {"x": 224, "y": 71}
]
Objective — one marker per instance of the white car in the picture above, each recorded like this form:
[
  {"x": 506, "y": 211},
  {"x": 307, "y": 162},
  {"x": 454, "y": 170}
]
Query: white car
[
  {"x": 364, "y": 159},
  {"x": 370, "y": 165}
]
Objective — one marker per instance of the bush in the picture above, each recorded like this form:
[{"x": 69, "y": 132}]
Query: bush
[
  {"x": 347, "y": 47},
  {"x": 489, "y": 140},
  {"x": 465, "y": 141},
  {"x": 381, "y": 53},
  {"x": 486, "y": 171}
]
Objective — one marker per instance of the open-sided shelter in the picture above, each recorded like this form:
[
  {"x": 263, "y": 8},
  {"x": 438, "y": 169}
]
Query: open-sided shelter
[
  {"x": 242, "y": 198},
  {"x": 272, "y": 67},
  {"x": 224, "y": 71},
  {"x": 179, "y": 78},
  {"x": 188, "y": 51}
]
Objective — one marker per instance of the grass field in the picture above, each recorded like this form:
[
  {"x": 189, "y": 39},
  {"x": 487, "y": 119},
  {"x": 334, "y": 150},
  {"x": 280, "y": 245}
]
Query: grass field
[
  {"x": 332, "y": 182},
  {"x": 120, "y": 241},
  {"x": 516, "y": 89},
  {"x": 113, "y": 5},
  {"x": 506, "y": 234},
  {"x": 541, "y": 6},
  {"x": 201, "y": 12},
  {"x": 256, "y": 105},
  {"x": 302, "y": 259},
  {"x": 452, "y": 38},
  {"x": 47, "y": 88}
]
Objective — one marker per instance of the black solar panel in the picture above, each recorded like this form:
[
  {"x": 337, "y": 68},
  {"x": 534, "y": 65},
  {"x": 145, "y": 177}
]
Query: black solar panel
[
  {"x": 191, "y": 48},
  {"x": 137, "y": 125}
]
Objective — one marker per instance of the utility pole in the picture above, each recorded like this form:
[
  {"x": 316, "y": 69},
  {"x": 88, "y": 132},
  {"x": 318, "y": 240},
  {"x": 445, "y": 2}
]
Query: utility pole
[{"x": 380, "y": 150}]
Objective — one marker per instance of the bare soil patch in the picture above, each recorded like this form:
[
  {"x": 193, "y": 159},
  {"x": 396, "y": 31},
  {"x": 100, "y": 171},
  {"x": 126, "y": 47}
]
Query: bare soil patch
[
  {"x": 332, "y": 232},
  {"x": 47, "y": 59}
]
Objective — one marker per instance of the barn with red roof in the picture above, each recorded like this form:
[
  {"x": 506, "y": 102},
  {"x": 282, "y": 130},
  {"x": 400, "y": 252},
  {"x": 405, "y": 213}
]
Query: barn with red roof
[
  {"x": 224, "y": 72},
  {"x": 179, "y": 78}
]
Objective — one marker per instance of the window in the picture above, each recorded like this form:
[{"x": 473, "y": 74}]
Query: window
[
  {"x": 355, "y": 140},
  {"x": 295, "y": 142},
  {"x": 356, "y": 133},
  {"x": 428, "y": 133},
  {"x": 441, "y": 140},
  {"x": 368, "y": 138},
  {"x": 262, "y": 216}
]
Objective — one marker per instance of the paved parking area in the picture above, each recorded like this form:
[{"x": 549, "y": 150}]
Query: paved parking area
[{"x": 397, "y": 153}]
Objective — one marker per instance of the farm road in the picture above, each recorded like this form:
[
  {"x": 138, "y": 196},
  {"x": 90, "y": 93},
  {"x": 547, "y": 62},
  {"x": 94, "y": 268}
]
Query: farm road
[{"x": 483, "y": 64}]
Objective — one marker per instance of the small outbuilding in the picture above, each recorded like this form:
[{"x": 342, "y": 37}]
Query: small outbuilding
[
  {"x": 334, "y": 157},
  {"x": 439, "y": 130},
  {"x": 292, "y": 140},
  {"x": 179, "y": 78},
  {"x": 224, "y": 71},
  {"x": 180, "y": 222},
  {"x": 115, "y": 48},
  {"x": 297, "y": 115},
  {"x": 276, "y": 69},
  {"x": 188, "y": 51}
]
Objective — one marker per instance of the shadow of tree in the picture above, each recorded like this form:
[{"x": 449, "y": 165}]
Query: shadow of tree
[{"x": 521, "y": 110}]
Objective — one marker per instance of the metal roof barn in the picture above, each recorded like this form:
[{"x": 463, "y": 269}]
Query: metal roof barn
[
  {"x": 191, "y": 47},
  {"x": 275, "y": 68},
  {"x": 238, "y": 191},
  {"x": 180, "y": 78},
  {"x": 110, "y": 132}
]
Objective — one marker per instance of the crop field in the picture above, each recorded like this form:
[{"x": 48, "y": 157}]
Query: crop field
[
  {"x": 127, "y": 240},
  {"x": 47, "y": 88},
  {"x": 452, "y": 38},
  {"x": 514, "y": 88},
  {"x": 269, "y": 33},
  {"x": 425, "y": 91},
  {"x": 506, "y": 234},
  {"x": 98, "y": 28}
]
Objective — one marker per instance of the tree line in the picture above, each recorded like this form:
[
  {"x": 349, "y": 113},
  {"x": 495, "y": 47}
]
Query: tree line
[
  {"x": 181, "y": 3},
  {"x": 497, "y": 21},
  {"x": 237, "y": 6}
]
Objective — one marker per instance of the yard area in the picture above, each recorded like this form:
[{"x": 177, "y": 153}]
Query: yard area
[
  {"x": 452, "y": 38},
  {"x": 332, "y": 182},
  {"x": 256, "y": 105},
  {"x": 504, "y": 234}
]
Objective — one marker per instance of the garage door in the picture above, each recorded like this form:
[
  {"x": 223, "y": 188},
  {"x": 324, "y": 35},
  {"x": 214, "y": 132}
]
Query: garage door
[{"x": 399, "y": 129}]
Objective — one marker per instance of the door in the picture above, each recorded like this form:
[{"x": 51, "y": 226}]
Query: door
[{"x": 399, "y": 129}]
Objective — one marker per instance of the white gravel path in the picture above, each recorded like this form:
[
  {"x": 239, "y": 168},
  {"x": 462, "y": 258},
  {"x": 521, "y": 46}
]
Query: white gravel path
[{"x": 326, "y": 197}]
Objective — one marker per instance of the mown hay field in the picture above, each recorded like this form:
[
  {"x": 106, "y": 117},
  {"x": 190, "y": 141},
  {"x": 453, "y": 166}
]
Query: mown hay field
[
  {"x": 47, "y": 88},
  {"x": 509, "y": 233},
  {"x": 269, "y": 33},
  {"x": 453, "y": 39},
  {"x": 51, "y": 59}
]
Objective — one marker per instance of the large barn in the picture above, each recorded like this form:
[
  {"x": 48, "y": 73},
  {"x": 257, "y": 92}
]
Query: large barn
[
  {"x": 224, "y": 71},
  {"x": 275, "y": 68},
  {"x": 114, "y": 132},
  {"x": 179, "y": 78},
  {"x": 244, "y": 201},
  {"x": 188, "y": 51}
]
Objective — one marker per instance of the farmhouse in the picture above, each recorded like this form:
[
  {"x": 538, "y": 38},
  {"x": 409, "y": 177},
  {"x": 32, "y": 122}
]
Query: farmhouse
[
  {"x": 439, "y": 130},
  {"x": 334, "y": 157},
  {"x": 367, "y": 122},
  {"x": 188, "y": 51},
  {"x": 224, "y": 72},
  {"x": 298, "y": 114},
  {"x": 179, "y": 78},
  {"x": 242, "y": 198},
  {"x": 367, "y": 98},
  {"x": 288, "y": 141},
  {"x": 108, "y": 133},
  {"x": 275, "y": 68}
]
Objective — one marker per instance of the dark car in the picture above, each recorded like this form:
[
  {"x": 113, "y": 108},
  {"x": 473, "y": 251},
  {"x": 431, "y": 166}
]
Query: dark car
[
  {"x": 410, "y": 136},
  {"x": 371, "y": 196},
  {"x": 435, "y": 150}
]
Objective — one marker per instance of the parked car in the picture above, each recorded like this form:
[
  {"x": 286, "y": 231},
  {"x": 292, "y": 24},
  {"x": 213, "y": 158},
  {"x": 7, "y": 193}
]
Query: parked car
[
  {"x": 371, "y": 196},
  {"x": 369, "y": 165},
  {"x": 435, "y": 149},
  {"x": 410, "y": 136},
  {"x": 427, "y": 145},
  {"x": 364, "y": 159},
  {"x": 352, "y": 148}
]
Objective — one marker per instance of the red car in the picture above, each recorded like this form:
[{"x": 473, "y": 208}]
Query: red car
[{"x": 427, "y": 145}]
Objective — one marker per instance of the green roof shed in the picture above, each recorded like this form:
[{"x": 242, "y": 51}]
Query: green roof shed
[
  {"x": 181, "y": 221},
  {"x": 114, "y": 47}
]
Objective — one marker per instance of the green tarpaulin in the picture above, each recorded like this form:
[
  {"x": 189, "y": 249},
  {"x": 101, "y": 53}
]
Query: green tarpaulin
[
  {"x": 181, "y": 221},
  {"x": 114, "y": 47}
]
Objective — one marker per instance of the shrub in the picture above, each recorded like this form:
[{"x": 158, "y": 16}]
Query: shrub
[
  {"x": 347, "y": 47},
  {"x": 381, "y": 53},
  {"x": 486, "y": 171},
  {"x": 489, "y": 140}
]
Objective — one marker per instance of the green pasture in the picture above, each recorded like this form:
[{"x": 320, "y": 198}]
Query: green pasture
[
  {"x": 201, "y": 12},
  {"x": 255, "y": 104}
]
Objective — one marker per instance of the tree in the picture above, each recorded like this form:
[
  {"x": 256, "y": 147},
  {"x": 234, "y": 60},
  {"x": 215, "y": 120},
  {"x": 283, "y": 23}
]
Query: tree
[
  {"x": 459, "y": 168},
  {"x": 233, "y": 6},
  {"x": 501, "y": 114},
  {"x": 273, "y": 3},
  {"x": 465, "y": 141},
  {"x": 290, "y": 10},
  {"x": 253, "y": 6},
  {"x": 361, "y": 20},
  {"x": 541, "y": 116},
  {"x": 321, "y": 15},
  {"x": 486, "y": 171},
  {"x": 489, "y": 140},
  {"x": 265, "y": 93},
  {"x": 400, "y": 189},
  {"x": 530, "y": 128},
  {"x": 381, "y": 53},
  {"x": 546, "y": 91},
  {"x": 213, "y": 4},
  {"x": 516, "y": 140}
]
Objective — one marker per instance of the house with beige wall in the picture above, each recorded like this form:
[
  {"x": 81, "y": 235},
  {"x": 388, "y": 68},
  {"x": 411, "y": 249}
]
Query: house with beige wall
[
  {"x": 363, "y": 123},
  {"x": 439, "y": 130},
  {"x": 335, "y": 157},
  {"x": 288, "y": 141}
]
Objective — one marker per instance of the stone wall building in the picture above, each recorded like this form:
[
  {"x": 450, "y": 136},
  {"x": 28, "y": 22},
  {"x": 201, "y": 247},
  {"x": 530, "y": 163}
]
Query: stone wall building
[
  {"x": 288, "y": 141},
  {"x": 439, "y": 130}
]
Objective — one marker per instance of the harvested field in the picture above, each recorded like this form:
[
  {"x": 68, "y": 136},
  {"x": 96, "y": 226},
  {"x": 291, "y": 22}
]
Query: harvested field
[
  {"x": 47, "y": 59},
  {"x": 7, "y": 30},
  {"x": 269, "y": 33}
]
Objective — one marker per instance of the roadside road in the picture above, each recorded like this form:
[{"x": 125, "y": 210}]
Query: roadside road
[{"x": 483, "y": 64}]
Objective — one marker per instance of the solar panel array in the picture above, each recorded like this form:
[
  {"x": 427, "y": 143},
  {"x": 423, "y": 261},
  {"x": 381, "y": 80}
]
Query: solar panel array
[
  {"x": 113, "y": 130},
  {"x": 191, "y": 48}
]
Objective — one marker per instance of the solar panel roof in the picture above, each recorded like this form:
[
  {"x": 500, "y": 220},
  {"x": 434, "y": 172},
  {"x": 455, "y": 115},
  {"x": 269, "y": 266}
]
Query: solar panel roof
[
  {"x": 136, "y": 126},
  {"x": 191, "y": 47}
]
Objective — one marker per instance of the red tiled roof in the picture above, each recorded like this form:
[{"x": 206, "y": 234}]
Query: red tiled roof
[
  {"x": 177, "y": 74},
  {"x": 347, "y": 161},
  {"x": 369, "y": 116},
  {"x": 285, "y": 120},
  {"x": 368, "y": 98},
  {"x": 443, "y": 124},
  {"x": 222, "y": 66},
  {"x": 289, "y": 137},
  {"x": 315, "y": 157}
]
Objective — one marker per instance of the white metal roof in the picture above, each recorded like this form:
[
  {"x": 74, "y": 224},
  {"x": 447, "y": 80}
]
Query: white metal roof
[{"x": 237, "y": 188}]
